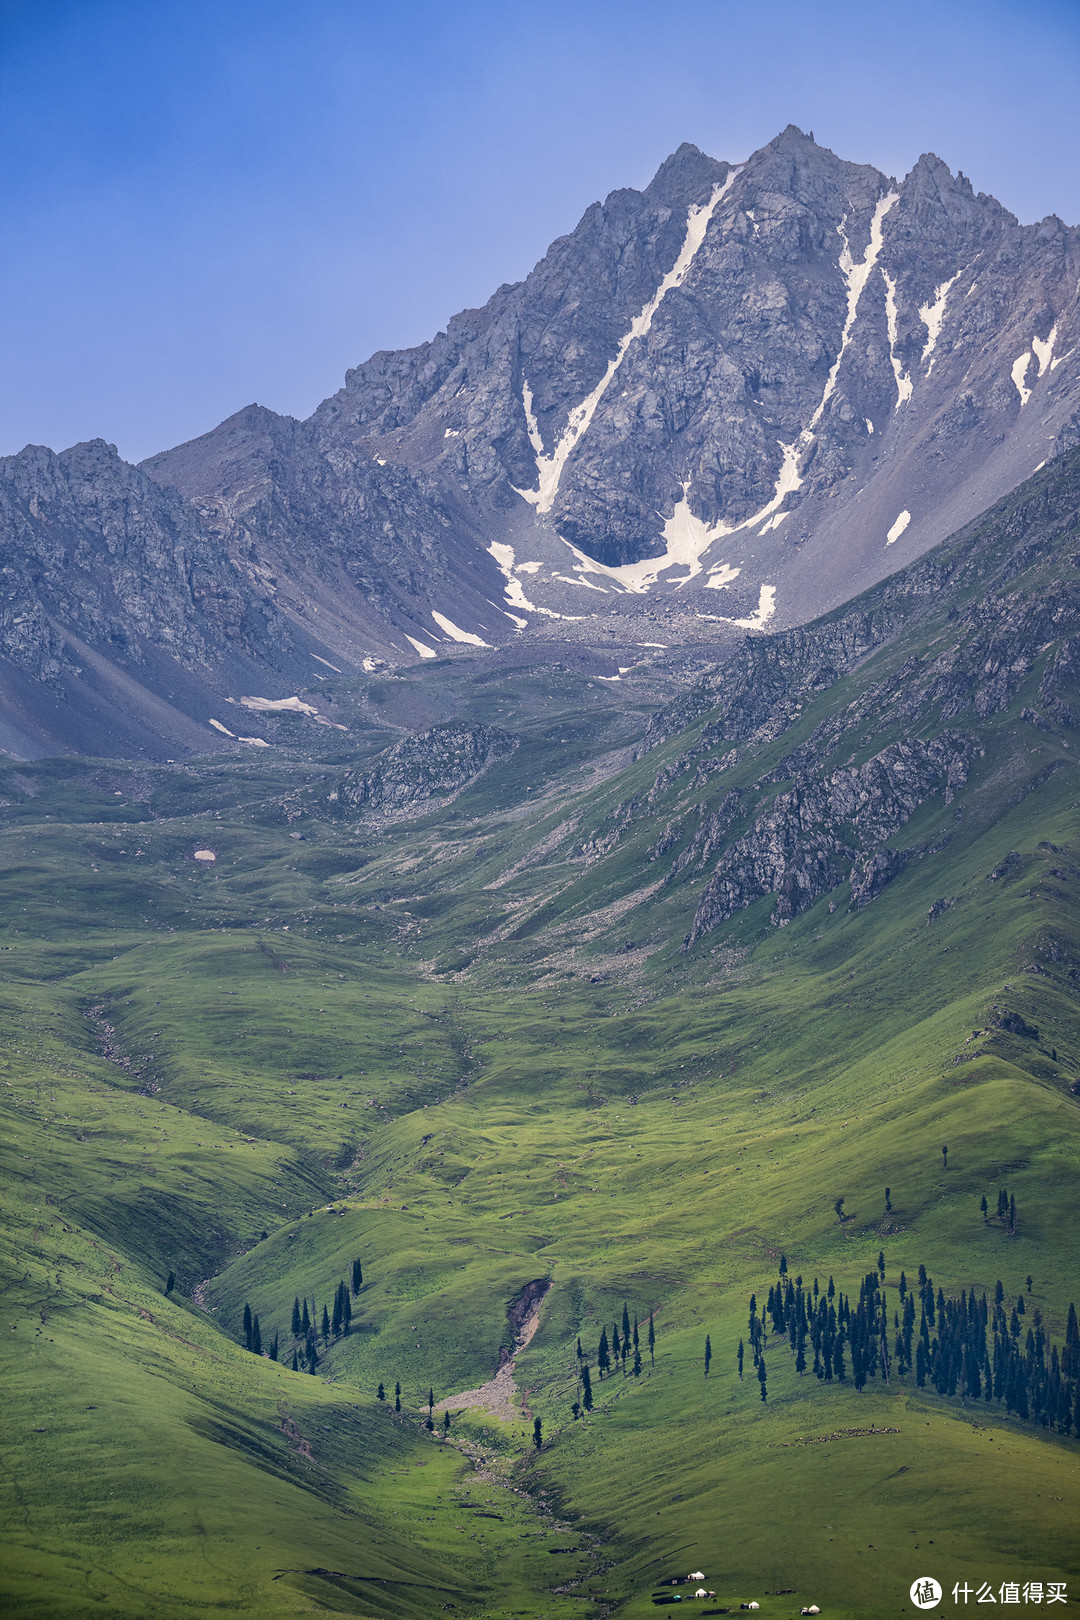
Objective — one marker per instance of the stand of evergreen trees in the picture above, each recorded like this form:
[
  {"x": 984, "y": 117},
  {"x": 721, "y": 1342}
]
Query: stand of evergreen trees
[
  {"x": 307, "y": 1327},
  {"x": 963, "y": 1347}
]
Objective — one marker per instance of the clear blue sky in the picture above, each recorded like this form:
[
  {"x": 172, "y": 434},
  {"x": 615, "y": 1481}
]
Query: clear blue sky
[{"x": 209, "y": 202}]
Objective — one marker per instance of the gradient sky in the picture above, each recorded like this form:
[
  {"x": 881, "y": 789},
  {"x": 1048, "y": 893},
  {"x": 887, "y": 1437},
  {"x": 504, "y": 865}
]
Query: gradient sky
[{"x": 204, "y": 204}]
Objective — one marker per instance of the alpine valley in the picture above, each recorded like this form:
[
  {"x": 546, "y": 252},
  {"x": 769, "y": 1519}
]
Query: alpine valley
[{"x": 549, "y": 779}]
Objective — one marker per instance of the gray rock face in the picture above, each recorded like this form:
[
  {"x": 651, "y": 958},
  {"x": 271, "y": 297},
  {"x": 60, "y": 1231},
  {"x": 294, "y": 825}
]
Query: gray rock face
[{"x": 432, "y": 767}]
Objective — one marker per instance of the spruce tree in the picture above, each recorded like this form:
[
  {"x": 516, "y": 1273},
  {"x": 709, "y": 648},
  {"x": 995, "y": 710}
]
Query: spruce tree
[
  {"x": 537, "y": 1427},
  {"x": 944, "y": 1158},
  {"x": 397, "y": 1397},
  {"x": 295, "y": 1363},
  {"x": 357, "y": 1276},
  {"x": 708, "y": 1354},
  {"x": 325, "y": 1333},
  {"x": 625, "y": 1324},
  {"x": 652, "y": 1340},
  {"x": 580, "y": 1351},
  {"x": 984, "y": 1207},
  {"x": 170, "y": 1283},
  {"x": 586, "y": 1387},
  {"x": 297, "y": 1330},
  {"x": 881, "y": 1264},
  {"x": 305, "y": 1322},
  {"x": 603, "y": 1359},
  {"x": 616, "y": 1345},
  {"x": 335, "y": 1320},
  {"x": 256, "y": 1337},
  {"x": 1012, "y": 1212},
  {"x": 741, "y": 1353},
  {"x": 381, "y": 1393},
  {"x": 761, "y": 1377},
  {"x": 247, "y": 1326},
  {"x": 446, "y": 1422},
  {"x": 888, "y": 1198},
  {"x": 783, "y": 1265},
  {"x": 839, "y": 1208},
  {"x": 274, "y": 1348}
]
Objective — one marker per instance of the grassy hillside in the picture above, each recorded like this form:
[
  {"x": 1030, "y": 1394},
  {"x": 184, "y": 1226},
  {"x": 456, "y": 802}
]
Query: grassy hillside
[{"x": 472, "y": 1050}]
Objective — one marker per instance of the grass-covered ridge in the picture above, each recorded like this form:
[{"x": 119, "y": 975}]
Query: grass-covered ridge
[{"x": 470, "y": 1050}]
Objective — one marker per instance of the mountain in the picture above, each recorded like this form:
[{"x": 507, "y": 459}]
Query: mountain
[{"x": 732, "y": 400}]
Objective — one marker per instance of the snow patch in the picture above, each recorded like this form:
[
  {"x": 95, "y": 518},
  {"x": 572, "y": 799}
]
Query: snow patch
[
  {"x": 869, "y": 427},
  {"x": 898, "y": 527},
  {"x": 903, "y": 382},
  {"x": 255, "y": 742},
  {"x": 762, "y": 613},
  {"x": 1044, "y": 348},
  {"x": 290, "y": 705},
  {"x": 856, "y": 276},
  {"x": 549, "y": 468},
  {"x": 932, "y": 316},
  {"x": 773, "y": 522},
  {"x": 327, "y": 664},
  {"x": 217, "y": 725},
  {"x": 204, "y": 855},
  {"x": 454, "y": 632},
  {"x": 369, "y": 665},
  {"x": 1019, "y": 372},
  {"x": 378, "y": 460},
  {"x": 422, "y": 649},
  {"x": 451, "y": 433},
  {"x": 514, "y": 593},
  {"x": 663, "y": 645},
  {"x": 721, "y": 576}
]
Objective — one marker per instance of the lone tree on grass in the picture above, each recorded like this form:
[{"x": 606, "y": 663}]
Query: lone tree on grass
[
  {"x": 357, "y": 1276},
  {"x": 586, "y": 1387},
  {"x": 652, "y": 1339},
  {"x": 247, "y": 1326},
  {"x": 944, "y": 1157},
  {"x": 430, "y": 1407},
  {"x": 381, "y": 1393},
  {"x": 839, "y": 1208},
  {"x": 741, "y": 1353},
  {"x": 708, "y": 1354},
  {"x": 446, "y": 1423},
  {"x": 397, "y": 1397},
  {"x": 537, "y": 1436},
  {"x": 761, "y": 1377},
  {"x": 984, "y": 1206},
  {"x": 888, "y": 1198}
]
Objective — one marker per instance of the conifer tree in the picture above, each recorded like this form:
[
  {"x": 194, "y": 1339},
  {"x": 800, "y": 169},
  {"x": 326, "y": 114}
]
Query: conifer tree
[
  {"x": 616, "y": 1346},
  {"x": 881, "y": 1264},
  {"x": 944, "y": 1158},
  {"x": 256, "y": 1337},
  {"x": 1012, "y": 1212},
  {"x": 295, "y": 1363},
  {"x": 625, "y": 1324},
  {"x": 537, "y": 1428},
  {"x": 357, "y": 1276},
  {"x": 708, "y": 1354},
  {"x": 335, "y": 1320},
  {"x": 305, "y": 1322},
  {"x": 274, "y": 1348},
  {"x": 888, "y": 1198},
  {"x": 637, "y": 1362},
  {"x": 580, "y": 1351},
  {"x": 346, "y": 1312},
  {"x": 652, "y": 1339},
  {"x": 603, "y": 1359},
  {"x": 325, "y": 1332},
  {"x": 297, "y": 1330},
  {"x": 783, "y": 1265},
  {"x": 586, "y": 1387},
  {"x": 446, "y": 1422},
  {"x": 381, "y": 1393},
  {"x": 1028, "y": 1280},
  {"x": 170, "y": 1283},
  {"x": 984, "y": 1207},
  {"x": 761, "y": 1377},
  {"x": 247, "y": 1326},
  {"x": 397, "y": 1397},
  {"x": 576, "y": 1409},
  {"x": 839, "y": 1208},
  {"x": 741, "y": 1353}
]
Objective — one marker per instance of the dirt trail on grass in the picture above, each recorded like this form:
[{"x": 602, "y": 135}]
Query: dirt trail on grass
[{"x": 500, "y": 1395}]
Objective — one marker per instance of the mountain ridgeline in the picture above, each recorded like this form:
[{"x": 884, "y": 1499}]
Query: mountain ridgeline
[{"x": 725, "y": 403}]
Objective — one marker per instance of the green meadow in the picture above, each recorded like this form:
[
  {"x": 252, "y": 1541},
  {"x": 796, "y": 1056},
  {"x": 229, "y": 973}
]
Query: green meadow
[{"x": 455, "y": 1050}]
